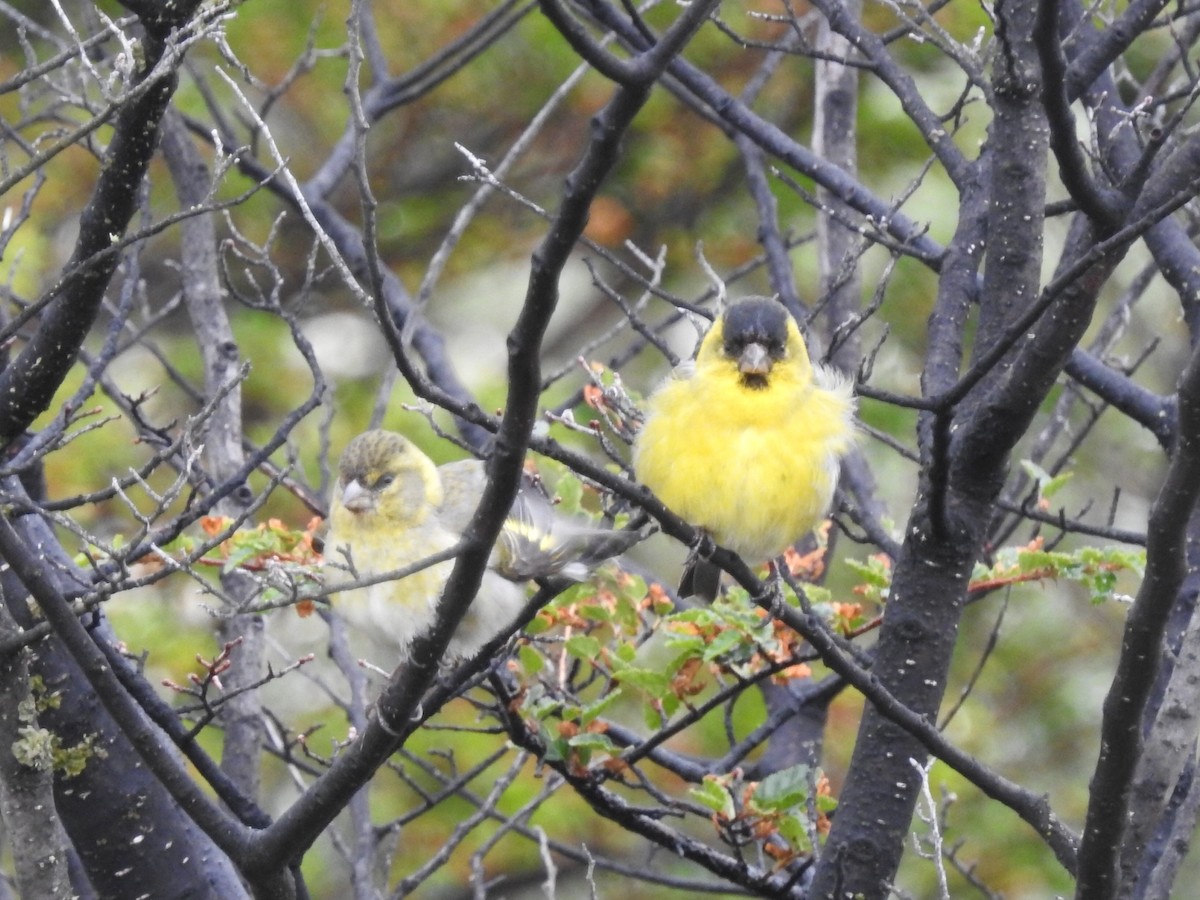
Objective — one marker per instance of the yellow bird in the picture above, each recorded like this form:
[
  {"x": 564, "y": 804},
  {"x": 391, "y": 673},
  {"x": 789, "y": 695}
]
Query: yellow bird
[
  {"x": 393, "y": 508},
  {"x": 745, "y": 442}
]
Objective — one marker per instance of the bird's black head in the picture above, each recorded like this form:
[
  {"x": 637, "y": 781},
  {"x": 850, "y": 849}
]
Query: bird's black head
[{"x": 755, "y": 335}]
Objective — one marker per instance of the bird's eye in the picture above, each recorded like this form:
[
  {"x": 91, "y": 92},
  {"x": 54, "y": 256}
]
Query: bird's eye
[{"x": 384, "y": 481}]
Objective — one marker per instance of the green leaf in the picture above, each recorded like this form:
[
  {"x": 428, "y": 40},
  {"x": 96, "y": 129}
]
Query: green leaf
[
  {"x": 590, "y": 741},
  {"x": 653, "y": 684},
  {"x": 1054, "y": 485},
  {"x": 593, "y": 711},
  {"x": 784, "y": 789},
  {"x": 1048, "y": 485},
  {"x": 687, "y": 644},
  {"x": 715, "y": 796},
  {"x": 531, "y": 661},
  {"x": 792, "y": 829},
  {"x": 540, "y": 706},
  {"x": 725, "y": 642},
  {"x": 556, "y": 750},
  {"x": 873, "y": 571},
  {"x": 670, "y": 705},
  {"x": 1031, "y": 560},
  {"x": 595, "y": 612},
  {"x": 653, "y": 715},
  {"x": 816, "y": 593},
  {"x": 583, "y": 647},
  {"x": 240, "y": 553},
  {"x": 626, "y": 614}
]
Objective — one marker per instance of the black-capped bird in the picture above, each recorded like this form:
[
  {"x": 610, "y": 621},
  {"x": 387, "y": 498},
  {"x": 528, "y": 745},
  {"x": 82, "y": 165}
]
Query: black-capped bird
[
  {"x": 393, "y": 508},
  {"x": 745, "y": 441}
]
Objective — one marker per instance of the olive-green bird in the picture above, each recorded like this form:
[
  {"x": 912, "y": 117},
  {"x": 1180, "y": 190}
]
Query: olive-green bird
[{"x": 393, "y": 508}]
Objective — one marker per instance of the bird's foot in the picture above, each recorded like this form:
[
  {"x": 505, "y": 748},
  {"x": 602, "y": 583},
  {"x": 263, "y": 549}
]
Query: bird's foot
[
  {"x": 774, "y": 594},
  {"x": 702, "y": 547}
]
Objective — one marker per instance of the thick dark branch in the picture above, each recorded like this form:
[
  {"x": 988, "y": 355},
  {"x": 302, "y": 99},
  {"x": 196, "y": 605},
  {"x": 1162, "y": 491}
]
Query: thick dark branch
[
  {"x": 39, "y": 846},
  {"x": 1017, "y": 176},
  {"x": 1097, "y": 48},
  {"x": 1145, "y": 407},
  {"x": 643, "y": 69},
  {"x": 619, "y": 70},
  {"x": 168, "y": 720},
  {"x": 1103, "y": 205},
  {"x": 1084, "y": 271},
  {"x": 1017, "y": 146},
  {"x": 945, "y": 532},
  {"x": 1009, "y": 405},
  {"x": 873, "y": 49},
  {"x": 958, "y": 290},
  {"x": 780, "y": 266},
  {"x": 228, "y": 834},
  {"x": 1141, "y": 648},
  {"x": 160, "y": 17},
  {"x": 1178, "y": 261}
]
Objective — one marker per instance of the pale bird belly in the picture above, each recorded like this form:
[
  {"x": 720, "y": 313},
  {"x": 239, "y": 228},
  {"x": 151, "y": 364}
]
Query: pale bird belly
[
  {"x": 395, "y": 612},
  {"x": 495, "y": 608}
]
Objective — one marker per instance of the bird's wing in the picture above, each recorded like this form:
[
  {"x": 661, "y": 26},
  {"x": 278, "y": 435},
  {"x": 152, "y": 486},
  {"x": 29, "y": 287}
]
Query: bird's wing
[
  {"x": 536, "y": 540},
  {"x": 462, "y": 486}
]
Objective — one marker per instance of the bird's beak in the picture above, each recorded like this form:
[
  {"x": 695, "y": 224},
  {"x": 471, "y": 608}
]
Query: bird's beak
[
  {"x": 357, "y": 498},
  {"x": 755, "y": 359}
]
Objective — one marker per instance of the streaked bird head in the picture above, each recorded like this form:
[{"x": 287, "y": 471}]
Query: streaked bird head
[
  {"x": 383, "y": 473},
  {"x": 754, "y": 334}
]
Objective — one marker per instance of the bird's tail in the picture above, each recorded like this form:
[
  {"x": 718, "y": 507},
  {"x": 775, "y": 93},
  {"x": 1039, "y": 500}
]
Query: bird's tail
[{"x": 537, "y": 541}]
